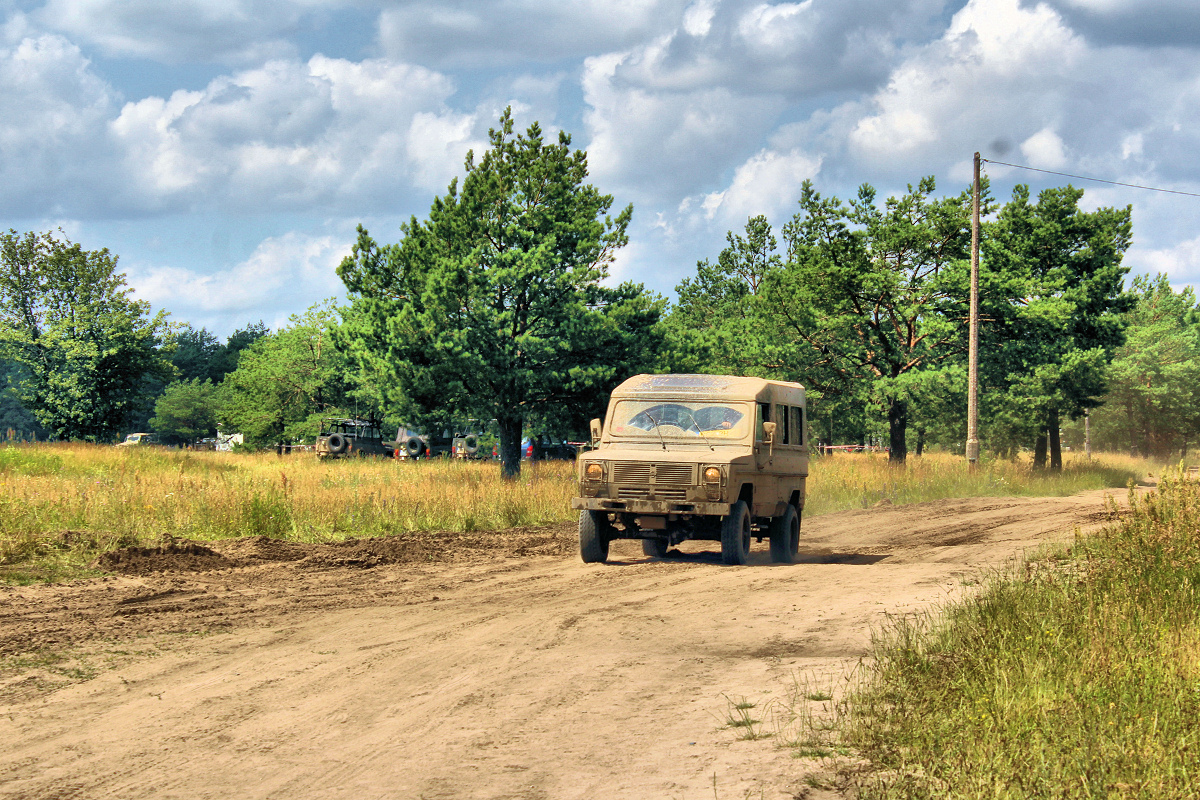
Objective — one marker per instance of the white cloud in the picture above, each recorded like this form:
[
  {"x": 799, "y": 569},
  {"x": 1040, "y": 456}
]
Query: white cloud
[
  {"x": 503, "y": 32},
  {"x": 698, "y": 17},
  {"x": 657, "y": 145},
  {"x": 175, "y": 31},
  {"x": 999, "y": 69},
  {"x": 52, "y": 114},
  {"x": 768, "y": 183},
  {"x": 290, "y": 134},
  {"x": 284, "y": 274},
  {"x": 795, "y": 50},
  {"x": 1044, "y": 150},
  {"x": 1181, "y": 262}
]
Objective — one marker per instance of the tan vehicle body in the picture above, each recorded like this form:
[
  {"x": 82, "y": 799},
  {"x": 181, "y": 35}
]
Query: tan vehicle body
[{"x": 676, "y": 454}]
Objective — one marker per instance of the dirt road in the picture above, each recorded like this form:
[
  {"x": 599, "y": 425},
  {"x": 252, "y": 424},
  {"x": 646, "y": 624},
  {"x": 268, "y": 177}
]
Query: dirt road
[{"x": 268, "y": 670}]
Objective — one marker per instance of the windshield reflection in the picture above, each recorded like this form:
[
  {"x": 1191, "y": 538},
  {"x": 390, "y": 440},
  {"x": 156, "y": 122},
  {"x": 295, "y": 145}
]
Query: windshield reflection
[{"x": 652, "y": 419}]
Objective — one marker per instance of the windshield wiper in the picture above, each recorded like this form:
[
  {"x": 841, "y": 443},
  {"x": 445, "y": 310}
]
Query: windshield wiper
[
  {"x": 700, "y": 433},
  {"x": 656, "y": 430}
]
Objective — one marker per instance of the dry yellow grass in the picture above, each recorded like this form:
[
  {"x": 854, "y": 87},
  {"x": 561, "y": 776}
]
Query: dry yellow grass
[
  {"x": 62, "y": 504},
  {"x": 66, "y": 502},
  {"x": 860, "y": 480}
]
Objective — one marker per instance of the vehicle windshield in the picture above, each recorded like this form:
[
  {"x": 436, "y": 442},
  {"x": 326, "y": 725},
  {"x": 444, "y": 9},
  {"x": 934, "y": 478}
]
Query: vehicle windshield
[{"x": 650, "y": 419}]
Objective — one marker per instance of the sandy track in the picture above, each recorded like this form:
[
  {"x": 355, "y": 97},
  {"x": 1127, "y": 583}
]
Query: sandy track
[{"x": 309, "y": 674}]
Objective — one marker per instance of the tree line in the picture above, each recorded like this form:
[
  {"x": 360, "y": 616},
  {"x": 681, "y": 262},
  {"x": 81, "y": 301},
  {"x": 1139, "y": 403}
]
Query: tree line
[{"x": 498, "y": 306}]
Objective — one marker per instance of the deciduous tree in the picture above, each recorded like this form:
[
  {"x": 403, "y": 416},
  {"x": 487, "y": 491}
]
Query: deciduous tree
[
  {"x": 1060, "y": 318},
  {"x": 495, "y": 307},
  {"x": 86, "y": 347},
  {"x": 285, "y": 380},
  {"x": 878, "y": 292},
  {"x": 186, "y": 410}
]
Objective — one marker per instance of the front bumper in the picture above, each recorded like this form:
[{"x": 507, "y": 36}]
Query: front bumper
[{"x": 678, "y": 507}]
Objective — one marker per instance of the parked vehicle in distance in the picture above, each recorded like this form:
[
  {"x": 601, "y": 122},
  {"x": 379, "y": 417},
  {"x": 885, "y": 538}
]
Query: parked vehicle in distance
[
  {"x": 139, "y": 439},
  {"x": 469, "y": 443},
  {"x": 416, "y": 445},
  {"x": 543, "y": 448},
  {"x": 711, "y": 457},
  {"x": 350, "y": 438}
]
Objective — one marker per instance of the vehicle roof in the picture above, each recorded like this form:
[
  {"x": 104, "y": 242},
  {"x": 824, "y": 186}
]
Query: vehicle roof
[
  {"x": 730, "y": 387},
  {"x": 348, "y": 421}
]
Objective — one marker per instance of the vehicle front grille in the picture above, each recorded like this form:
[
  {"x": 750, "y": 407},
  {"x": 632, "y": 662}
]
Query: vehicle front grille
[
  {"x": 630, "y": 472},
  {"x": 659, "y": 474},
  {"x": 677, "y": 474}
]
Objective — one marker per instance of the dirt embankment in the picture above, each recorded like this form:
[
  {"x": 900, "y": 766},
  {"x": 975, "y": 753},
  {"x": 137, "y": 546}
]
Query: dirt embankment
[{"x": 489, "y": 666}]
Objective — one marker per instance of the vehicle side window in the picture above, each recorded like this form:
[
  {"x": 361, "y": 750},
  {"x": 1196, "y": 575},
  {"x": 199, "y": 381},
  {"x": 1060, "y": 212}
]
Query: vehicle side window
[
  {"x": 785, "y": 428},
  {"x": 764, "y": 415},
  {"x": 798, "y": 424}
]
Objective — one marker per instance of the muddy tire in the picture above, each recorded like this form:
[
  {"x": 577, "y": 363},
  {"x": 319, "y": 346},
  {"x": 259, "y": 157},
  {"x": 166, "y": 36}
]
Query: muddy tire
[
  {"x": 785, "y": 536},
  {"x": 735, "y": 534},
  {"x": 595, "y": 532},
  {"x": 655, "y": 548},
  {"x": 796, "y": 539}
]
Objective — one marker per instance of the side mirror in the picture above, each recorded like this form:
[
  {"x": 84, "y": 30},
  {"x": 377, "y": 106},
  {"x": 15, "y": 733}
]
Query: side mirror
[
  {"x": 769, "y": 437},
  {"x": 596, "y": 429}
]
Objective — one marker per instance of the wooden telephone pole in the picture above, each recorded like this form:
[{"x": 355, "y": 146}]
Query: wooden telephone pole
[{"x": 973, "y": 346}]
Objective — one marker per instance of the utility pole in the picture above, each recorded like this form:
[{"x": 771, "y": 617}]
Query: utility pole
[{"x": 973, "y": 346}]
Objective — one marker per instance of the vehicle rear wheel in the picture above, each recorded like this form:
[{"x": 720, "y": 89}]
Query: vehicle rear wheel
[
  {"x": 595, "y": 532},
  {"x": 795, "y": 546},
  {"x": 735, "y": 534},
  {"x": 785, "y": 536},
  {"x": 655, "y": 548}
]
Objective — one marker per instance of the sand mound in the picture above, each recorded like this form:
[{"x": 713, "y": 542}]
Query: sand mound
[{"x": 173, "y": 556}]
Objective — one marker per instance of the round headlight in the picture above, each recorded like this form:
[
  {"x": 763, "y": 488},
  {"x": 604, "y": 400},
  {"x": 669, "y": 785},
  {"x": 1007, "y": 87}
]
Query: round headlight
[
  {"x": 712, "y": 475},
  {"x": 593, "y": 472}
]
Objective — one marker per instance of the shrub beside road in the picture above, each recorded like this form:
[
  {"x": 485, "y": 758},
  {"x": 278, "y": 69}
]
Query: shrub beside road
[{"x": 1077, "y": 676}]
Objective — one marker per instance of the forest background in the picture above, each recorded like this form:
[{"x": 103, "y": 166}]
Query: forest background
[{"x": 497, "y": 307}]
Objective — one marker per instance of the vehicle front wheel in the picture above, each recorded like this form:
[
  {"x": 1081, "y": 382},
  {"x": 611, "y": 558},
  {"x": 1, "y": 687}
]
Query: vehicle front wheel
[
  {"x": 655, "y": 548},
  {"x": 595, "y": 532},
  {"x": 735, "y": 534},
  {"x": 785, "y": 536}
]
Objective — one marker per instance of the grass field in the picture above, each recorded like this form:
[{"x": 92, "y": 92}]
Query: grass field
[
  {"x": 1076, "y": 677},
  {"x": 62, "y": 504}
]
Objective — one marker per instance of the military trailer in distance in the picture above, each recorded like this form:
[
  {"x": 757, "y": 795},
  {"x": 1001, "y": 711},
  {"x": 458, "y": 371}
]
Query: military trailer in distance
[{"x": 709, "y": 457}]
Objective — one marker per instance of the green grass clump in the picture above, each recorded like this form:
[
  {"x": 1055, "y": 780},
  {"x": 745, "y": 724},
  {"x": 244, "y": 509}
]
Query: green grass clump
[{"x": 1077, "y": 677}]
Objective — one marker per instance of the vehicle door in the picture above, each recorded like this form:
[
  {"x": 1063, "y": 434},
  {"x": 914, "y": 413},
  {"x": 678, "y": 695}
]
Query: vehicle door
[
  {"x": 791, "y": 454},
  {"x": 766, "y": 482}
]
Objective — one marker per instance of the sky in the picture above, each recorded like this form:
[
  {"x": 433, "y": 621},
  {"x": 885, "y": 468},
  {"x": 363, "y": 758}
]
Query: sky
[{"x": 226, "y": 150}]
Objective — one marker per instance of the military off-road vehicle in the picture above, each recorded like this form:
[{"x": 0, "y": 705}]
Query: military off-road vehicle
[
  {"x": 683, "y": 457},
  {"x": 351, "y": 438},
  {"x": 424, "y": 445},
  {"x": 139, "y": 440}
]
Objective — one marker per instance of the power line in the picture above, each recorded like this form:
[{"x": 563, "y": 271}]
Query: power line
[{"x": 1086, "y": 178}]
